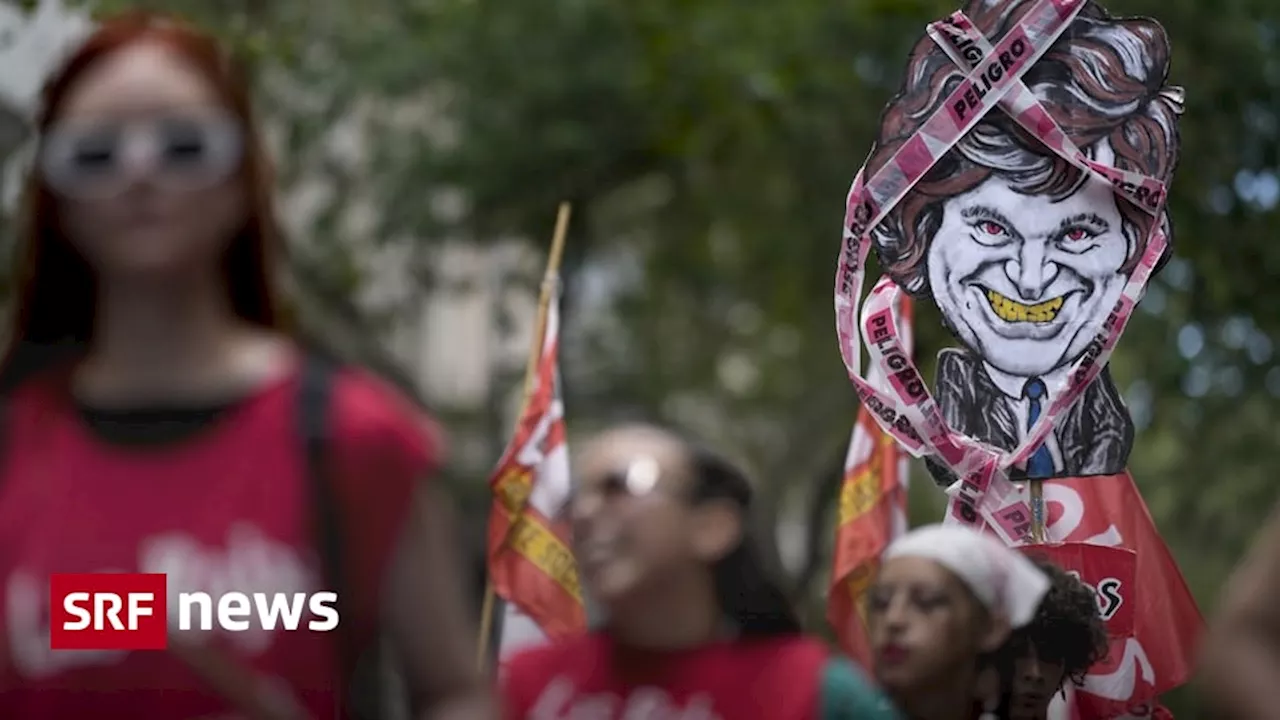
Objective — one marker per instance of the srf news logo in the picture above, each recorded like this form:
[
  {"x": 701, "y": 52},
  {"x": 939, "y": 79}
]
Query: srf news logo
[{"x": 129, "y": 611}]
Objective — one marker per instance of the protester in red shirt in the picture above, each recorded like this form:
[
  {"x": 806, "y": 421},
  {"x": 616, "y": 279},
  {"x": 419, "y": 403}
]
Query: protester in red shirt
[
  {"x": 152, "y": 413},
  {"x": 946, "y": 596},
  {"x": 694, "y": 628}
]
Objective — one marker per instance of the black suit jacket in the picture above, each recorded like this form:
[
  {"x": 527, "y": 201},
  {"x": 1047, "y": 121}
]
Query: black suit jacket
[{"x": 1094, "y": 437}]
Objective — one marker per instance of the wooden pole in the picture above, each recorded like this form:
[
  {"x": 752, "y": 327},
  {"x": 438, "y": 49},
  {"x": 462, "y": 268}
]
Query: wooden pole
[
  {"x": 550, "y": 283},
  {"x": 1037, "y": 511}
]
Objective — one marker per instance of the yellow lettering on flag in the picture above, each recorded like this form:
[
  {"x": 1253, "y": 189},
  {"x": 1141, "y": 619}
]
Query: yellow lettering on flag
[
  {"x": 861, "y": 489},
  {"x": 513, "y": 488},
  {"x": 537, "y": 544},
  {"x": 860, "y": 579},
  {"x": 529, "y": 537},
  {"x": 859, "y": 494}
]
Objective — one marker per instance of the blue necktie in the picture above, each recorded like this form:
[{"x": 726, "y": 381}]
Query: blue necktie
[{"x": 1041, "y": 463}]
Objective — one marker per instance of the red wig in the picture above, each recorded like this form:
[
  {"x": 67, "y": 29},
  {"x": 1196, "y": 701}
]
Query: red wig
[{"x": 55, "y": 287}]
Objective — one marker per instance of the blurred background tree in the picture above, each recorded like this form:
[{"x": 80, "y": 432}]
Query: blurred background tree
[{"x": 707, "y": 148}]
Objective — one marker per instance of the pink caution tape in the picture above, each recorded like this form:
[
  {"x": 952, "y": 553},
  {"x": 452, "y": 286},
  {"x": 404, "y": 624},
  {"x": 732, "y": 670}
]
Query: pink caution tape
[{"x": 905, "y": 409}]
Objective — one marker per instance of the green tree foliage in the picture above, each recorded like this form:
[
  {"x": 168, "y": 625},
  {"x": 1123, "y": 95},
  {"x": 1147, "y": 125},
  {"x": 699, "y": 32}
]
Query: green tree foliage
[
  {"x": 716, "y": 140},
  {"x": 719, "y": 138}
]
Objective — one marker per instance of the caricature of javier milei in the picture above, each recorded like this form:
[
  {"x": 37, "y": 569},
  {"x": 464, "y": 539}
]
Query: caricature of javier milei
[{"x": 1019, "y": 249}]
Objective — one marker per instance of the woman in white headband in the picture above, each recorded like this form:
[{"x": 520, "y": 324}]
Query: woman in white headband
[{"x": 946, "y": 595}]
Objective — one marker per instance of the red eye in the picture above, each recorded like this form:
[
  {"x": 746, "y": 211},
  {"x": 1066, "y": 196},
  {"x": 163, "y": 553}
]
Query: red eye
[
  {"x": 1076, "y": 234},
  {"x": 992, "y": 228}
]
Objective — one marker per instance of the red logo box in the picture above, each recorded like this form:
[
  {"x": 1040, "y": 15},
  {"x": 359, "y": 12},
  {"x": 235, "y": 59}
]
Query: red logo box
[{"x": 108, "y": 611}]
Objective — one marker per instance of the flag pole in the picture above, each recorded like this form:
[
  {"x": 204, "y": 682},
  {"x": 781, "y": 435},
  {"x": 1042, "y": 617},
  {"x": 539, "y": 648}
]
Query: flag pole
[
  {"x": 550, "y": 280},
  {"x": 1037, "y": 511}
]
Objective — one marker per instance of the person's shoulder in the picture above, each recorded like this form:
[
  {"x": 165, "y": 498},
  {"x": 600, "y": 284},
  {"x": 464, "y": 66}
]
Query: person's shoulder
[
  {"x": 553, "y": 652},
  {"x": 369, "y": 413},
  {"x": 37, "y": 389},
  {"x": 789, "y": 645},
  {"x": 526, "y": 674},
  {"x": 847, "y": 692},
  {"x": 794, "y": 657},
  {"x": 38, "y": 394},
  {"x": 368, "y": 403},
  {"x": 537, "y": 664}
]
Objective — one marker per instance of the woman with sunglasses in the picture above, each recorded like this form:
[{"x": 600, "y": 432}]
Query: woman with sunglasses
[
  {"x": 946, "y": 597},
  {"x": 149, "y": 417},
  {"x": 694, "y": 628}
]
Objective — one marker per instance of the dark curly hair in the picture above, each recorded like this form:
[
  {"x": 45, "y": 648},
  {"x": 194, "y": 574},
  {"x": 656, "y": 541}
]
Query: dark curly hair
[{"x": 1067, "y": 629}]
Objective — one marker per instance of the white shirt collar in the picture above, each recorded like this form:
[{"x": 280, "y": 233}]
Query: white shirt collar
[{"x": 1012, "y": 385}]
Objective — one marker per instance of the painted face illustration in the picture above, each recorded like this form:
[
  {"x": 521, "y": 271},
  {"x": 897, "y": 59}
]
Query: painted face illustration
[
  {"x": 1020, "y": 278},
  {"x": 1024, "y": 253}
]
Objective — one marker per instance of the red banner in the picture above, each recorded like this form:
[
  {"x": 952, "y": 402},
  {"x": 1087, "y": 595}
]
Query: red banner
[
  {"x": 1158, "y": 654},
  {"x": 872, "y": 494},
  {"x": 1110, "y": 572}
]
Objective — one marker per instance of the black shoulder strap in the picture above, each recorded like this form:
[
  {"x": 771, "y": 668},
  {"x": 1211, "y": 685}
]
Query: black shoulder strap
[
  {"x": 314, "y": 402},
  {"x": 314, "y": 393}
]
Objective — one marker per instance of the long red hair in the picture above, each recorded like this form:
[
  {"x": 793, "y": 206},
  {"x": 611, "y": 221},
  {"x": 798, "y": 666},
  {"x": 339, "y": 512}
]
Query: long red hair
[{"x": 55, "y": 287}]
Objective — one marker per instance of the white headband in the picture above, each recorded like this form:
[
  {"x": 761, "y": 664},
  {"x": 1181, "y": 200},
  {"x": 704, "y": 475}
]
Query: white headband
[{"x": 1002, "y": 578}]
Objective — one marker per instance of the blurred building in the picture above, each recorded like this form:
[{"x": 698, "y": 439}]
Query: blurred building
[
  {"x": 30, "y": 43},
  {"x": 449, "y": 316}
]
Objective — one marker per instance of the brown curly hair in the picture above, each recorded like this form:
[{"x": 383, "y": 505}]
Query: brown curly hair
[{"x": 1067, "y": 629}]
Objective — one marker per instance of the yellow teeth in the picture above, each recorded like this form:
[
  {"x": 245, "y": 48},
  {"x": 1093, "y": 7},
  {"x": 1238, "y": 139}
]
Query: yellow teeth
[{"x": 1014, "y": 311}]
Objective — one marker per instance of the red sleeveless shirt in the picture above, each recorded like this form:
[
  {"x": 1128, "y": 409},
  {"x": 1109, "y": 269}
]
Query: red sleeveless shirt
[
  {"x": 228, "y": 509},
  {"x": 591, "y": 676}
]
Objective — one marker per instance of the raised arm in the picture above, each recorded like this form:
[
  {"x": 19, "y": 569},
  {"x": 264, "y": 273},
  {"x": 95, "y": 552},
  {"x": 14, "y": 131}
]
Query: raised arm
[
  {"x": 429, "y": 621},
  {"x": 1240, "y": 662}
]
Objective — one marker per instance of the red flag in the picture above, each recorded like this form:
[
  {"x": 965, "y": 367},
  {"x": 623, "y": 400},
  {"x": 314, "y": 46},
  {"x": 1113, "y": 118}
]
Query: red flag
[
  {"x": 531, "y": 564},
  {"x": 872, "y": 512},
  {"x": 1158, "y": 653},
  {"x": 1109, "y": 572}
]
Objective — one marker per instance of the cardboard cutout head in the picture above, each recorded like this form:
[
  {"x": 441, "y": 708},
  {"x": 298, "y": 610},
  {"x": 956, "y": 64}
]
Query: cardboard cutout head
[{"x": 1022, "y": 251}]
